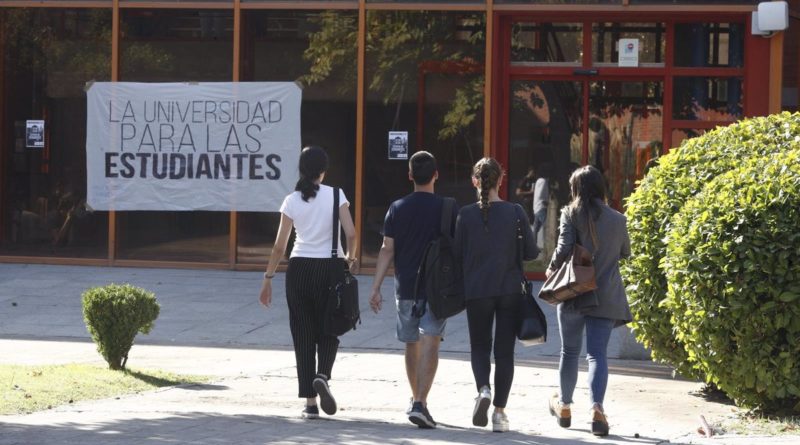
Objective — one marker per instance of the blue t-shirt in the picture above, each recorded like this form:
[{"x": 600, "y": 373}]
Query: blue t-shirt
[{"x": 413, "y": 222}]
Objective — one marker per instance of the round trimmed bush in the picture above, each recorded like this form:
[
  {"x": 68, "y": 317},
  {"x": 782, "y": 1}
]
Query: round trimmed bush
[
  {"x": 680, "y": 175},
  {"x": 733, "y": 274},
  {"x": 114, "y": 314}
]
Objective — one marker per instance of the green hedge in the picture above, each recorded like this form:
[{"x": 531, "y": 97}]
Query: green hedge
[
  {"x": 733, "y": 273},
  {"x": 679, "y": 176},
  {"x": 114, "y": 314}
]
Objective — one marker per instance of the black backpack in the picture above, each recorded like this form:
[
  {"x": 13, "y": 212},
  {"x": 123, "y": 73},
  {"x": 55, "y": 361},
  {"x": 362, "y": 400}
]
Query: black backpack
[{"x": 439, "y": 280}]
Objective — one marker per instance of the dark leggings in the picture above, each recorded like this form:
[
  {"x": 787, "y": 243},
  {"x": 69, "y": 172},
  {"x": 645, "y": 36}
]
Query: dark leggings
[
  {"x": 307, "y": 281},
  {"x": 481, "y": 314}
]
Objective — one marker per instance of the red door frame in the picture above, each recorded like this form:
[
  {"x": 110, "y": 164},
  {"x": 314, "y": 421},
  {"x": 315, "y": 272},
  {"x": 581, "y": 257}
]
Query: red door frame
[{"x": 755, "y": 71}]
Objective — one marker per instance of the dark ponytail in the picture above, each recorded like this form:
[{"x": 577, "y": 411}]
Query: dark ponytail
[
  {"x": 313, "y": 163},
  {"x": 488, "y": 173},
  {"x": 588, "y": 190}
]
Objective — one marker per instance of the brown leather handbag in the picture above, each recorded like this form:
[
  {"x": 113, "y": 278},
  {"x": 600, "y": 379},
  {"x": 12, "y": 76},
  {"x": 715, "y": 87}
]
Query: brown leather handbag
[{"x": 575, "y": 277}]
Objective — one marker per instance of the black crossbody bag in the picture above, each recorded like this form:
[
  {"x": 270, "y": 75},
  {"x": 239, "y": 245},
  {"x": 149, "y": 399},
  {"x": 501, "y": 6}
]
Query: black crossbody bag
[
  {"x": 532, "y": 323},
  {"x": 342, "y": 312}
]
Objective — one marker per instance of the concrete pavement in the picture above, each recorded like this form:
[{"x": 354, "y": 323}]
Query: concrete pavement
[{"x": 211, "y": 324}]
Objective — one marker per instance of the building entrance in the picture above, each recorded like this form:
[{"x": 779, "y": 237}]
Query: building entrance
[
  {"x": 610, "y": 92},
  {"x": 557, "y": 125}
]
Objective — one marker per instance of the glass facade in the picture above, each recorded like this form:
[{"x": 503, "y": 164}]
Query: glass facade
[
  {"x": 625, "y": 132},
  {"x": 558, "y": 99},
  {"x": 48, "y": 57},
  {"x": 318, "y": 49},
  {"x": 162, "y": 46},
  {"x": 707, "y": 99},
  {"x": 546, "y": 43},
  {"x": 709, "y": 44},
  {"x": 545, "y": 135},
  {"x": 606, "y": 36},
  {"x": 424, "y": 75}
]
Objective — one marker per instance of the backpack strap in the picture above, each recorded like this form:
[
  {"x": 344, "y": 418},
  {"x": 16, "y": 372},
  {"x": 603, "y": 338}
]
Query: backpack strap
[
  {"x": 520, "y": 238},
  {"x": 335, "y": 225},
  {"x": 446, "y": 219},
  {"x": 521, "y": 248}
]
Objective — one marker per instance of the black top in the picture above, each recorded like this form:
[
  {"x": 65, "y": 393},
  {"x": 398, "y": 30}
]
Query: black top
[
  {"x": 489, "y": 253},
  {"x": 413, "y": 222}
]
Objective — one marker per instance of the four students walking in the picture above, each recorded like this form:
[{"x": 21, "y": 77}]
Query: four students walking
[{"x": 487, "y": 246}]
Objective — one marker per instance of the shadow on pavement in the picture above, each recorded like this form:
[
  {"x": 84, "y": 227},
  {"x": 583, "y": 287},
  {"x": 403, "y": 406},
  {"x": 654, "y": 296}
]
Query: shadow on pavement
[
  {"x": 634, "y": 368},
  {"x": 207, "y": 429}
]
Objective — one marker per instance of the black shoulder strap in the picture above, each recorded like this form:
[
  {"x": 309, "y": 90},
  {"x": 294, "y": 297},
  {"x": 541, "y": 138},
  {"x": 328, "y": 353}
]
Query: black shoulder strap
[
  {"x": 447, "y": 217},
  {"x": 335, "y": 236},
  {"x": 520, "y": 238}
]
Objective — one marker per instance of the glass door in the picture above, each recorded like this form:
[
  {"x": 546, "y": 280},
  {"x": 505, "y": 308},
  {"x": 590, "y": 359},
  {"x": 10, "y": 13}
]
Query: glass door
[
  {"x": 555, "y": 126},
  {"x": 625, "y": 132},
  {"x": 545, "y": 146}
]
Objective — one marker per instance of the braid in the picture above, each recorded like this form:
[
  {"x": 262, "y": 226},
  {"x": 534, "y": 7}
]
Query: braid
[
  {"x": 488, "y": 172},
  {"x": 484, "y": 195}
]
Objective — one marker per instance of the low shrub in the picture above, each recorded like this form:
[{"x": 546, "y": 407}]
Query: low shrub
[
  {"x": 680, "y": 175},
  {"x": 733, "y": 272},
  {"x": 114, "y": 314}
]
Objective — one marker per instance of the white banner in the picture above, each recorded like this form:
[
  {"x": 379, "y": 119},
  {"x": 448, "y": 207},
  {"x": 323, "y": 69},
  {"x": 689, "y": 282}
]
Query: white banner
[{"x": 192, "y": 146}]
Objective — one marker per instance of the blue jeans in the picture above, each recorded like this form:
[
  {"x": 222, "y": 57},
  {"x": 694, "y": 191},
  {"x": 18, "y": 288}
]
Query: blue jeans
[{"x": 598, "y": 330}]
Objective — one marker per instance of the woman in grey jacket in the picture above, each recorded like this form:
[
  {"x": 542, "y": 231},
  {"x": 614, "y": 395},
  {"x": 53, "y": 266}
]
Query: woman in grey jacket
[{"x": 599, "y": 312}]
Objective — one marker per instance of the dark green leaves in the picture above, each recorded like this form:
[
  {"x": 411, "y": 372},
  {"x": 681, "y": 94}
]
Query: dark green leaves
[{"x": 114, "y": 314}]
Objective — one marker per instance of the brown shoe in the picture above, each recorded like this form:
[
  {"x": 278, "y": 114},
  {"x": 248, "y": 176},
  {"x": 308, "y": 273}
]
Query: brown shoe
[
  {"x": 599, "y": 422},
  {"x": 561, "y": 411}
]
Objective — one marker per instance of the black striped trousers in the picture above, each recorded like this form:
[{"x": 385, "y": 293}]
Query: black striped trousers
[{"x": 307, "y": 281}]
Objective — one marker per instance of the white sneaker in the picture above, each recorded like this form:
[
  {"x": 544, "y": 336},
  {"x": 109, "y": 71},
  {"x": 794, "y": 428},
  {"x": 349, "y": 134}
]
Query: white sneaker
[
  {"x": 482, "y": 402},
  {"x": 499, "y": 422}
]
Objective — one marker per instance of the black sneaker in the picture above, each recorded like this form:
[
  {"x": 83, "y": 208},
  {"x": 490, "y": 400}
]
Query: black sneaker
[
  {"x": 420, "y": 416},
  {"x": 310, "y": 412},
  {"x": 326, "y": 400}
]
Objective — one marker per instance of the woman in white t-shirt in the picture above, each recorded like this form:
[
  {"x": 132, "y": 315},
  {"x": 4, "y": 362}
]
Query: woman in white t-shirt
[{"x": 310, "y": 210}]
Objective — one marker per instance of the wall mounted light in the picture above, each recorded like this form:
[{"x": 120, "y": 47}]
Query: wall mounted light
[{"x": 771, "y": 17}]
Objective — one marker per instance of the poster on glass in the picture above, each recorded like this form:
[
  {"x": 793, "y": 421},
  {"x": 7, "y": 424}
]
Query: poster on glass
[
  {"x": 34, "y": 134},
  {"x": 398, "y": 145}
]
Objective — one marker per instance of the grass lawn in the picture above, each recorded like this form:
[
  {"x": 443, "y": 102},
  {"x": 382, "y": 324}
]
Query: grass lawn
[
  {"x": 748, "y": 423},
  {"x": 24, "y": 389}
]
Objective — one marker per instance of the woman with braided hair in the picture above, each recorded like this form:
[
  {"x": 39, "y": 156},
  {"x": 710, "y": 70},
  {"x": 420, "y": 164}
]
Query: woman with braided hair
[{"x": 486, "y": 245}]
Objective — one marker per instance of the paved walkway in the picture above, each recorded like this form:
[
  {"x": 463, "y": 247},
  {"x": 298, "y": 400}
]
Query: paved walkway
[{"x": 211, "y": 324}]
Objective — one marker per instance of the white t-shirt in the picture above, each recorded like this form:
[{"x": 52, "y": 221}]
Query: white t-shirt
[
  {"x": 312, "y": 222},
  {"x": 541, "y": 194}
]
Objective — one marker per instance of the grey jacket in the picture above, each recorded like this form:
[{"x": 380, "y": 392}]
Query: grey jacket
[{"x": 614, "y": 244}]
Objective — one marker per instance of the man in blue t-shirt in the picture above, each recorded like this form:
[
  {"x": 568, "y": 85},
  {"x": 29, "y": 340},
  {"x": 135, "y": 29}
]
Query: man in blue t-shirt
[{"x": 412, "y": 222}]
